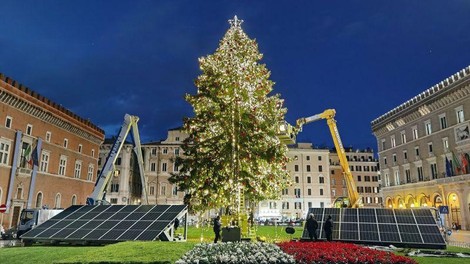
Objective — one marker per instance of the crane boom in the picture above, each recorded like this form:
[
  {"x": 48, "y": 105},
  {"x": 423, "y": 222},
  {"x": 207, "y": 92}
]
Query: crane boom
[
  {"x": 329, "y": 114},
  {"x": 108, "y": 168}
]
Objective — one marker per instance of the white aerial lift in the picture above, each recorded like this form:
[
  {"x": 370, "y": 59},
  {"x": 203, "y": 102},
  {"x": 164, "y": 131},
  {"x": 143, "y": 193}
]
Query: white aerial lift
[{"x": 99, "y": 192}]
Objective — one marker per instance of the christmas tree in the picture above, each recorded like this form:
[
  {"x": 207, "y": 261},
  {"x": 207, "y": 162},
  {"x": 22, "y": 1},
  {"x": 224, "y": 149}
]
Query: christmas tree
[{"x": 232, "y": 150}]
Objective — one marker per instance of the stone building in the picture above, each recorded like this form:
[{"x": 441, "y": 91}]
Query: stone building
[
  {"x": 48, "y": 155},
  {"x": 310, "y": 184},
  {"x": 363, "y": 167},
  {"x": 424, "y": 147}
]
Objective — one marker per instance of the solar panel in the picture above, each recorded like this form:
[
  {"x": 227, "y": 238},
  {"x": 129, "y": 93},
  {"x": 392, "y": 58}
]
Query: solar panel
[
  {"x": 110, "y": 223},
  {"x": 380, "y": 226}
]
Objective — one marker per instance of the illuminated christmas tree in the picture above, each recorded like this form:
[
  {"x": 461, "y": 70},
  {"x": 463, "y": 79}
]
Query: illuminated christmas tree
[{"x": 232, "y": 150}]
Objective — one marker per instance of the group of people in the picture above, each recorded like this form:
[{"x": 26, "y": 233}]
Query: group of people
[{"x": 312, "y": 226}]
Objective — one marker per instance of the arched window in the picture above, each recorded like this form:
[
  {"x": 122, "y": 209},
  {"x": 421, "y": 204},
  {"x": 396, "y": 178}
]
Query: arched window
[
  {"x": 39, "y": 200},
  {"x": 74, "y": 199},
  {"x": 57, "y": 200}
]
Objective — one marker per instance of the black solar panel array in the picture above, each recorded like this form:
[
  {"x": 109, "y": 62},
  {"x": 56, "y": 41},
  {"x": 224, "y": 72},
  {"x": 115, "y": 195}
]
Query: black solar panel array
[
  {"x": 400, "y": 227},
  {"x": 108, "y": 223}
]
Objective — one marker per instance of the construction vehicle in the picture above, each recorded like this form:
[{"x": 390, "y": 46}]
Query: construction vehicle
[
  {"x": 30, "y": 218},
  {"x": 99, "y": 192},
  {"x": 287, "y": 134}
]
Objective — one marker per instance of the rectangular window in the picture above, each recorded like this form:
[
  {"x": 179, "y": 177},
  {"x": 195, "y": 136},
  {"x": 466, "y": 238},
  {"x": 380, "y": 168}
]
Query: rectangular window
[
  {"x": 394, "y": 159},
  {"x": 62, "y": 165},
  {"x": 285, "y": 191},
  {"x": 417, "y": 152},
  {"x": 152, "y": 190},
  {"x": 319, "y": 158},
  {"x": 430, "y": 148},
  {"x": 420, "y": 173},
  {"x": 8, "y": 122},
  {"x": 177, "y": 138},
  {"x": 397, "y": 178},
  {"x": 359, "y": 178},
  {"x": 114, "y": 187},
  {"x": 297, "y": 193},
  {"x": 321, "y": 191},
  {"x": 309, "y": 191},
  {"x": 392, "y": 141},
  {"x": 405, "y": 155},
  {"x": 4, "y": 152},
  {"x": 177, "y": 152},
  {"x": 80, "y": 147},
  {"x": 308, "y": 168},
  {"x": 307, "y": 157},
  {"x": 163, "y": 190},
  {"x": 44, "y": 166},
  {"x": 118, "y": 161},
  {"x": 153, "y": 166},
  {"x": 445, "y": 144},
  {"x": 91, "y": 169},
  {"x": 403, "y": 137},
  {"x": 415, "y": 132},
  {"x": 113, "y": 200},
  {"x": 165, "y": 151},
  {"x": 48, "y": 136},
  {"x": 443, "y": 121},
  {"x": 385, "y": 160},
  {"x": 175, "y": 167},
  {"x": 383, "y": 144},
  {"x": 297, "y": 180},
  {"x": 175, "y": 190},
  {"x": 285, "y": 205},
  {"x": 297, "y": 205},
  {"x": 460, "y": 114},
  {"x": 434, "y": 171},
  {"x": 164, "y": 165},
  {"x": 322, "y": 204},
  {"x": 367, "y": 178},
  {"x": 66, "y": 143},
  {"x": 309, "y": 179},
  {"x": 321, "y": 179},
  {"x": 154, "y": 152},
  {"x": 408, "y": 175},
  {"x": 309, "y": 204},
  {"x": 296, "y": 167},
  {"x": 320, "y": 168},
  {"x": 427, "y": 127},
  {"x": 93, "y": 153},
  {"x": 78, "y": 169},
  {"x": 29, "y": 129}
]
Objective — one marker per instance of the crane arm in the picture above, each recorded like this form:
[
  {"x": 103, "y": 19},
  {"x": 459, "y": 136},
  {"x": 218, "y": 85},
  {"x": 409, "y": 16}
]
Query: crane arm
[
  {"x": 329, "y": 115},
  {"x": 108, "y": 168}
]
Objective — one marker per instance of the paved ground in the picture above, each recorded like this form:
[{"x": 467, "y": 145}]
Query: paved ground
[{"x": 459, "y": 238}]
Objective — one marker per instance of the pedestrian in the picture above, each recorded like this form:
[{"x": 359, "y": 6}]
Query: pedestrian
[
  {"x": 217, "y": 226},
  {"x": 312, "y": 226},
  {"x": 328, "y": 227}
]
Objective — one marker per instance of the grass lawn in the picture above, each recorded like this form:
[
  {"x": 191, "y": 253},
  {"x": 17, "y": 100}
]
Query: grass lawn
[{"x": 151, "y": 252}]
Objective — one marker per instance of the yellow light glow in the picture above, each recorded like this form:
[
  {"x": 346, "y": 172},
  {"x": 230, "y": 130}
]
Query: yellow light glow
[{"x": 412, "y": 205}]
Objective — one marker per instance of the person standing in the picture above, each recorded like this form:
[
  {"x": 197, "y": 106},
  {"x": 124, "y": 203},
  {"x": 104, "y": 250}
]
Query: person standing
[
  {"x": 217, "y": 226},
  {"x": 328, "y": 227},
  {"x": 312, "y": 226}
]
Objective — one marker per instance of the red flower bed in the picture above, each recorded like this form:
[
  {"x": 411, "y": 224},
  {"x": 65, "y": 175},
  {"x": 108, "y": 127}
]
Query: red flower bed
[{"x": 337, "y": 252}]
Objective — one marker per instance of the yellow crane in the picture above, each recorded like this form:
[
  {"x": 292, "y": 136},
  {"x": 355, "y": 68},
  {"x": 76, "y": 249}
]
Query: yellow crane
[{"x": 287, "y": 134}]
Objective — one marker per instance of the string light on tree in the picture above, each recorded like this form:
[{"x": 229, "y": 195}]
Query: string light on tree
[{"x": 232, "y": 144}]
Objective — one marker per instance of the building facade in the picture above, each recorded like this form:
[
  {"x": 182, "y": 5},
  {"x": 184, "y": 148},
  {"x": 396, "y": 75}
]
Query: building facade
[
  {"x": 309, "y": 169},
  {"x": 48, "y": 155},
  {"x": 364, "y": 169},
  {"x": 424, "y": 147}
]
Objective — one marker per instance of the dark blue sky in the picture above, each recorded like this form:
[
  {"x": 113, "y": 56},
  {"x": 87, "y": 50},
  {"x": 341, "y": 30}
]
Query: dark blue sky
[{"x": 102, "y": 59}]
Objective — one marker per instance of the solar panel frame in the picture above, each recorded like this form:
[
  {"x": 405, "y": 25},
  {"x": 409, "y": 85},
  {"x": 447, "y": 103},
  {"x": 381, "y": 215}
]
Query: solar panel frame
[
  {"x": 382, "y": 226},
  {"x": 109, "y": 223}
]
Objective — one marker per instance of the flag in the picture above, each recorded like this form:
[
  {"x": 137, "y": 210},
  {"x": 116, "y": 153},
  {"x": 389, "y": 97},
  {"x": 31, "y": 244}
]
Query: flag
[
  {"x": 27, "y": 154},
  {"x": 455, "y": 163},
  {"x": 448, "y": 168},
  {"x": 34, "y": 157},
  {"x": 464, "y": 163}
]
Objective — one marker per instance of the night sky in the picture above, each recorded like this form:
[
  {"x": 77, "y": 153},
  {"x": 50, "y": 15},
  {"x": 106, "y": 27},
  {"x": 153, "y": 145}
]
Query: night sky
[{"x": 102, "y": 59}]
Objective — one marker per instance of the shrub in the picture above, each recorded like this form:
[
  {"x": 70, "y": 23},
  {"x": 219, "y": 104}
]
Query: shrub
[
  {"x": 337, "y": 252},
  {"x": 243, "y": 253}
]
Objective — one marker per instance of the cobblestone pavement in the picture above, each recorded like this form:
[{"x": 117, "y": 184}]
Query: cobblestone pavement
[{"x": 459, "y": 238}]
